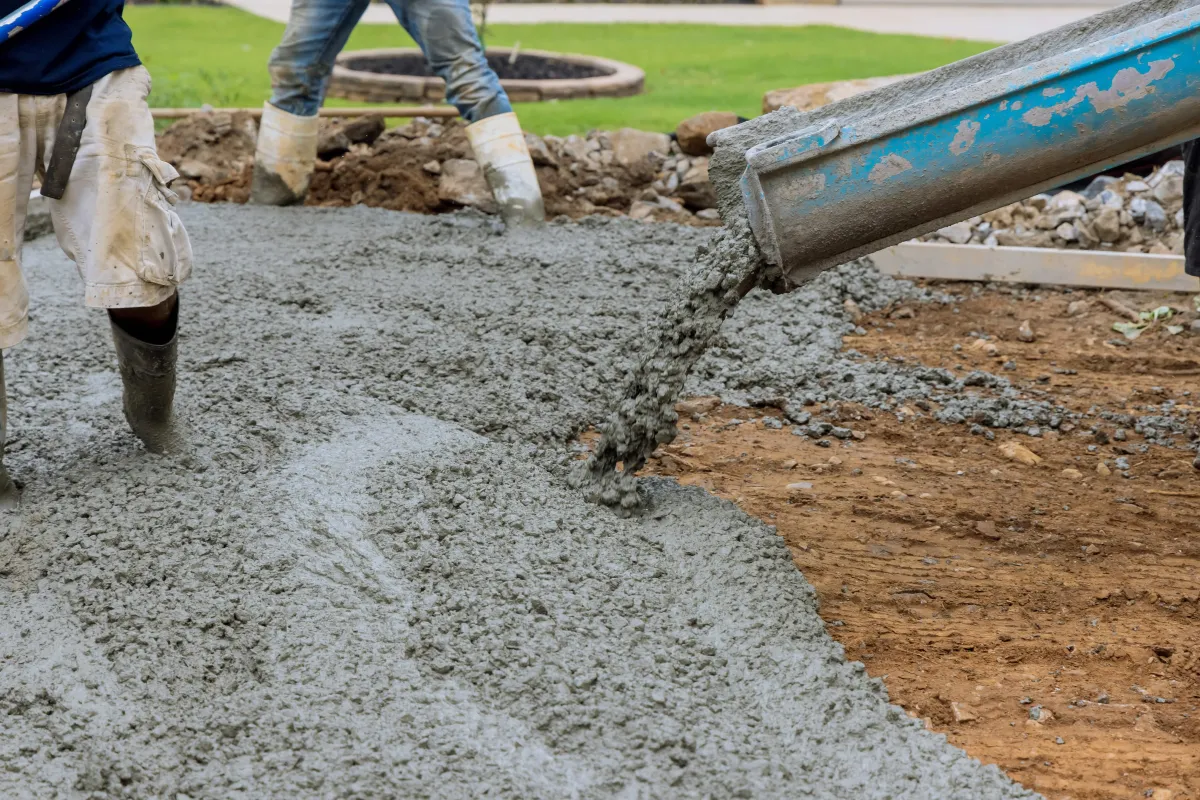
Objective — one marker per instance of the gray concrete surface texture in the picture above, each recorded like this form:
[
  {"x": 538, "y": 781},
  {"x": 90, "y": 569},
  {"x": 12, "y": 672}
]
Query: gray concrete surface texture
[{"x": 365, "y": 575}]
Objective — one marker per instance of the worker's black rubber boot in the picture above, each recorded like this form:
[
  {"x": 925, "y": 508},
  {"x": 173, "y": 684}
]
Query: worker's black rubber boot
[
  {"x": 10, "y": 495},
  {"x": 1191, "y": 208},
  {"x": 148, "y": 374}
]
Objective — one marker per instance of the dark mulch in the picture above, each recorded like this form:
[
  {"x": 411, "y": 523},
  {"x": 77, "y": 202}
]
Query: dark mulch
[{"x": 525, "y": 67}]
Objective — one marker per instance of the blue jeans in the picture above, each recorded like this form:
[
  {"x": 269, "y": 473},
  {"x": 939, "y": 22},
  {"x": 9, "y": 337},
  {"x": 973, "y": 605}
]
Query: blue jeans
[{"x": 318, "y": 29}]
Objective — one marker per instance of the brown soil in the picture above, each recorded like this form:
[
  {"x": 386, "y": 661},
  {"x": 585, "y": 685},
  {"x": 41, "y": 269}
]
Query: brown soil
[
  {"x": 1045, "y": 618},
  {"x": 1078, "y": 361},
  {"x": 215, "y": 154},
  {"x": 390, "y": 175}
]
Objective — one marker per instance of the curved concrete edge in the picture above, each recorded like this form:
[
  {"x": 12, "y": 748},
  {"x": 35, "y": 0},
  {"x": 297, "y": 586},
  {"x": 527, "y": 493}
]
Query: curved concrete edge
[{"x": 622, "y": 80}]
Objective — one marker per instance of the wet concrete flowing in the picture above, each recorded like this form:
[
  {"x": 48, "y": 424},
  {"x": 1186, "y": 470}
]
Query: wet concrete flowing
[
  {"x": 725, "y": 268},
  {"x": 366, "y": 576}
]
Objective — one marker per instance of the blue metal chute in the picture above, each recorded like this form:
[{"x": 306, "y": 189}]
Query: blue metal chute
[
  {"x": 26, "y": 15},
  {"x": 852, "y": 183}
]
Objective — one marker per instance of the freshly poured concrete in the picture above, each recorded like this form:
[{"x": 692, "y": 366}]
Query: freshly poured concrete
[
  {"x": 725, "y": 268},
  {"x": 366, "y": 576}
]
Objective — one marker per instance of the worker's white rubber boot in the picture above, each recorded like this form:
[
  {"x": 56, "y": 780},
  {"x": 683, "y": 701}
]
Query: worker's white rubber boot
[
  {"x": 10, "y": 497},
  {"x": 285, "y": 157},
  {"x": 500, "y": 149}
]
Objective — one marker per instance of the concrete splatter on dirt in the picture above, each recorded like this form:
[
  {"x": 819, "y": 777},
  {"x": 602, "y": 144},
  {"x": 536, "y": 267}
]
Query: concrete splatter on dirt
[
  {"x": 979, "y": 585},
  {"x": 332, "y": 593}
]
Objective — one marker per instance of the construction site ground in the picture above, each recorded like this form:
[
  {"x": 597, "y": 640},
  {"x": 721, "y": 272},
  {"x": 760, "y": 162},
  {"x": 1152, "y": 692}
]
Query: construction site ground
[
  {"x": 366, "y": 573},
  {"x": 1043, "y": 616},
  {"x": 362, "y": 572}
]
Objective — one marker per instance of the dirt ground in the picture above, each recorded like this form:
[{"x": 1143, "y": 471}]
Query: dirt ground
[
  {"x": 1045, "y": 617},
  {"x": 401, "y": 170}
]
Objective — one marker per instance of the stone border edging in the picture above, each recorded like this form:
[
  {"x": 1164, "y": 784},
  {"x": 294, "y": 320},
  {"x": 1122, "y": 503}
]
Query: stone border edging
[
  {"x": 622, "y": 80},
  {"x": 1100, "y": 269}
]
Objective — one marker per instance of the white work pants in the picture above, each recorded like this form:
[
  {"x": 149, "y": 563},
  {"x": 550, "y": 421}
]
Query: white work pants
[{"x": 116, "y": 220}]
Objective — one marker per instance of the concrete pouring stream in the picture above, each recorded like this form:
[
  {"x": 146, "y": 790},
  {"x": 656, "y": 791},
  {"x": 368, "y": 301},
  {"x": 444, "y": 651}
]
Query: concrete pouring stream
[{"x": 366, "y": 575}]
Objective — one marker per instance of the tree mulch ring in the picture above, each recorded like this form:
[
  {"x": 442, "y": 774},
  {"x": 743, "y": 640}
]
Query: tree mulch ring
[{"x": 523, "y": 67}]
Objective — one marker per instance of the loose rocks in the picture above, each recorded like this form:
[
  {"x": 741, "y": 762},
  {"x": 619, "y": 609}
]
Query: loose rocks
[
  {"x": 1128, "y": 214},
  {"x": 336, "y": 138},
  {"x": 692, "y": 133},
  {"x": 631, "y": 147},
  {"x": 462, "y": 183},
  {"x": 403, "y": 169},
  {"x": 1015, "y": 451}
]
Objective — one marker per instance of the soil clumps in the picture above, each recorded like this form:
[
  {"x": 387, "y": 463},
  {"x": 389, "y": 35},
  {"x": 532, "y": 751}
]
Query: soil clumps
[{"x": 427, "y": 167}]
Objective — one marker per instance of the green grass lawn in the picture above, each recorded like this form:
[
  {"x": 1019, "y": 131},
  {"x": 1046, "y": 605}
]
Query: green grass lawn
[{"x": 218, "y": 55}]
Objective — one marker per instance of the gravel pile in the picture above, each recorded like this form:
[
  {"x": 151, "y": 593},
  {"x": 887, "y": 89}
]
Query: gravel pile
[
  {"x": 1130, "y": 214},
  {"x": 427, "y": 166}
]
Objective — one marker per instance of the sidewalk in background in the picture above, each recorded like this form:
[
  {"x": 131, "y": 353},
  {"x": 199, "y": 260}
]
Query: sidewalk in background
[{"x": 990, "y": 22}]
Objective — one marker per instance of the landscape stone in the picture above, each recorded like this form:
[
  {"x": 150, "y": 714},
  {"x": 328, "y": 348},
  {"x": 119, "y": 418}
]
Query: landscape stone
[{"x": 692, "y": 133}]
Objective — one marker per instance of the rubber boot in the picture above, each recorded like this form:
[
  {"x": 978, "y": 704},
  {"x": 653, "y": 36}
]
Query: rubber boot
[
  {"x": 500, "y": 149},
  {"x": 148, "y": 375},
  {"x": 10, "y": 496},
  {"x": 284, "y": 157}
]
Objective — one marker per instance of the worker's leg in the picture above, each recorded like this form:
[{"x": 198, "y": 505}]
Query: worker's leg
[
  {"x": 446, "y": 34},
  {"x": 1191, "y": 208},
  {"x": 300, "y": 68},
  {"x": 1191, "y": 218},
  {"x": 117, "y": 221},
  {"x": 18, "y": 161},
  {"x": 147, "y": 347}
]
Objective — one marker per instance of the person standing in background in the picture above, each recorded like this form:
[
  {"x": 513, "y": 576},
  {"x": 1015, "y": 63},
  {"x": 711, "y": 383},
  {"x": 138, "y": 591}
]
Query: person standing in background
[{"x": 300, "y": 68}]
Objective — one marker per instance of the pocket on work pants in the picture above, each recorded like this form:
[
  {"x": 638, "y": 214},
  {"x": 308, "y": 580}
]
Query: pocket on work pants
[
  {"x": 116, "y": 219},
  {"x": 165, "y": 256}
]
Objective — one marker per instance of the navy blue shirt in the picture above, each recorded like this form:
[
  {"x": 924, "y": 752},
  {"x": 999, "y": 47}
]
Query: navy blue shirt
[{"x": 73, "y": 47}]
